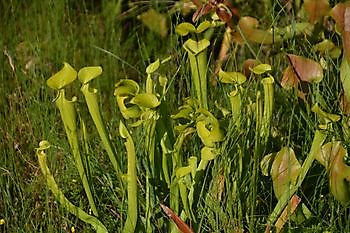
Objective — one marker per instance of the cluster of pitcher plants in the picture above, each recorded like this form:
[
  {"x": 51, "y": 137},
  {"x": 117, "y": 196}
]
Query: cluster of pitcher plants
[{"x": 178, "y": 148}]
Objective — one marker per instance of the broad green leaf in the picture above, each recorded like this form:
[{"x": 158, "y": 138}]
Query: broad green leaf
[
  {"x": 231, "y": 77},
  {"x": 151, "y": 68},
  {"x": 86, "y": 74},
  {"x": 203, "y": 26},
  {"x": 261, "y": 68},
  {"x": 126, "y": 87},
  {"x": 62, "y": 78},
  {"x": 284, "y": 171},
  {"x": 306, "y": 69},
  {"x": 324, "y": 46},
  {"x": 324, "y": 154},
  {"x": 145, "y": 100},
  {"x": 155, "y": 21},
  {"x": 133, "y": 111},
  {"x": 123, "y": 131},
  {"x": 184, "y": 28},
  {"x": 208, "y": 128},
  {"x": 195, "y": 47}
]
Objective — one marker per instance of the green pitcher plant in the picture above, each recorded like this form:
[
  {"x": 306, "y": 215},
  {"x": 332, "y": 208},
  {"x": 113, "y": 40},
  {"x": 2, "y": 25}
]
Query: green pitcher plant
[
  {"x": 86, "y": 75},
  {"x": 68, "y": 114}
]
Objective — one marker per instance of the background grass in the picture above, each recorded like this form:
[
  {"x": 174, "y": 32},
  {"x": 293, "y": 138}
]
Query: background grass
[{"x": 37, "y": 36}]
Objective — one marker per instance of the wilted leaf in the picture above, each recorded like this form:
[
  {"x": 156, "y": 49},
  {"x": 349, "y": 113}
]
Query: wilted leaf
[
  {"x": 289, "y": 79},
  {"x": 231, "y": 77},
  {"x": 261, "y": 68},
  {"x": 184, "y": 28},
  {"x": 284, "y": 171},
  {"x": 306, "y": 69},
  {"x": 62, "y": 78},
  {"x": 155, "y": 21},
  {"x": 316, "y": 9},
  {"x": 88, "y": 73},
  {"x": 145, "y": 100}
]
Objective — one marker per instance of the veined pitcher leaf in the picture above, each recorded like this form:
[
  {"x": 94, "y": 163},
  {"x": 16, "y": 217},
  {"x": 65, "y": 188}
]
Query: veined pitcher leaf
[
  {"x": 155, "y": 21},
  {"x": 145, "y": 100},
  {"x": 86, "y": 74},
  {"x": 231, "y": 77},
  {"x": 324, "y": 154},
  {"x": 126, "y": 87},
  {"x": 316, "y": 9},
  {"x": 151, "y": 68},
  {"x": 284, "y": 171},
  {"x": 63, "y": 77},
  {"x": 195, "y": 47},
  {"x": 128, "y": 112},
  {"x": 184, "y": 28},
  {"x": 208, "y": 128},
  {"x": 306, "y": 69}
]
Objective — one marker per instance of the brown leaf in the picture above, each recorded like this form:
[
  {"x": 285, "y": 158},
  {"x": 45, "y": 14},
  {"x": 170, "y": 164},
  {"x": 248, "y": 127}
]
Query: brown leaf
[
  {"x": 249, "y": 28},
  {"x": 289, "y": 79},
  {"x": 316, "y": 9},
  {"x": 346, "y": 33},
  {"x": 181, "y": 225},
  {"x": 306, "y": 69}
]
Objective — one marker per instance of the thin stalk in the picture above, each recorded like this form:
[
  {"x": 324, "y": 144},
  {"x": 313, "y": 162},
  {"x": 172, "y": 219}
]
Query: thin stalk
[
  {"x": 81, "y": 214},
  {"x": 130, "y": 224},
  {"x": 68, "y": 115}
]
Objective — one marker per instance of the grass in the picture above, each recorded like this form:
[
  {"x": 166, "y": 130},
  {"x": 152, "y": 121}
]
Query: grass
[{"x": 38, "y": 36}]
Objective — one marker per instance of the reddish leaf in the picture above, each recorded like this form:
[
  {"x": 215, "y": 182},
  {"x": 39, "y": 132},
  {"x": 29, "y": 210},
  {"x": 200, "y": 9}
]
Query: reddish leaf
[
  {"x": 288, "y": 210},
  {"x": 341, "y": 15},
  {"x": 306, "y": 69},
  {"x": 289, "y": 79},
  {"x": 316, "y": 9},
  {"x": 181, "y": 225}
]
